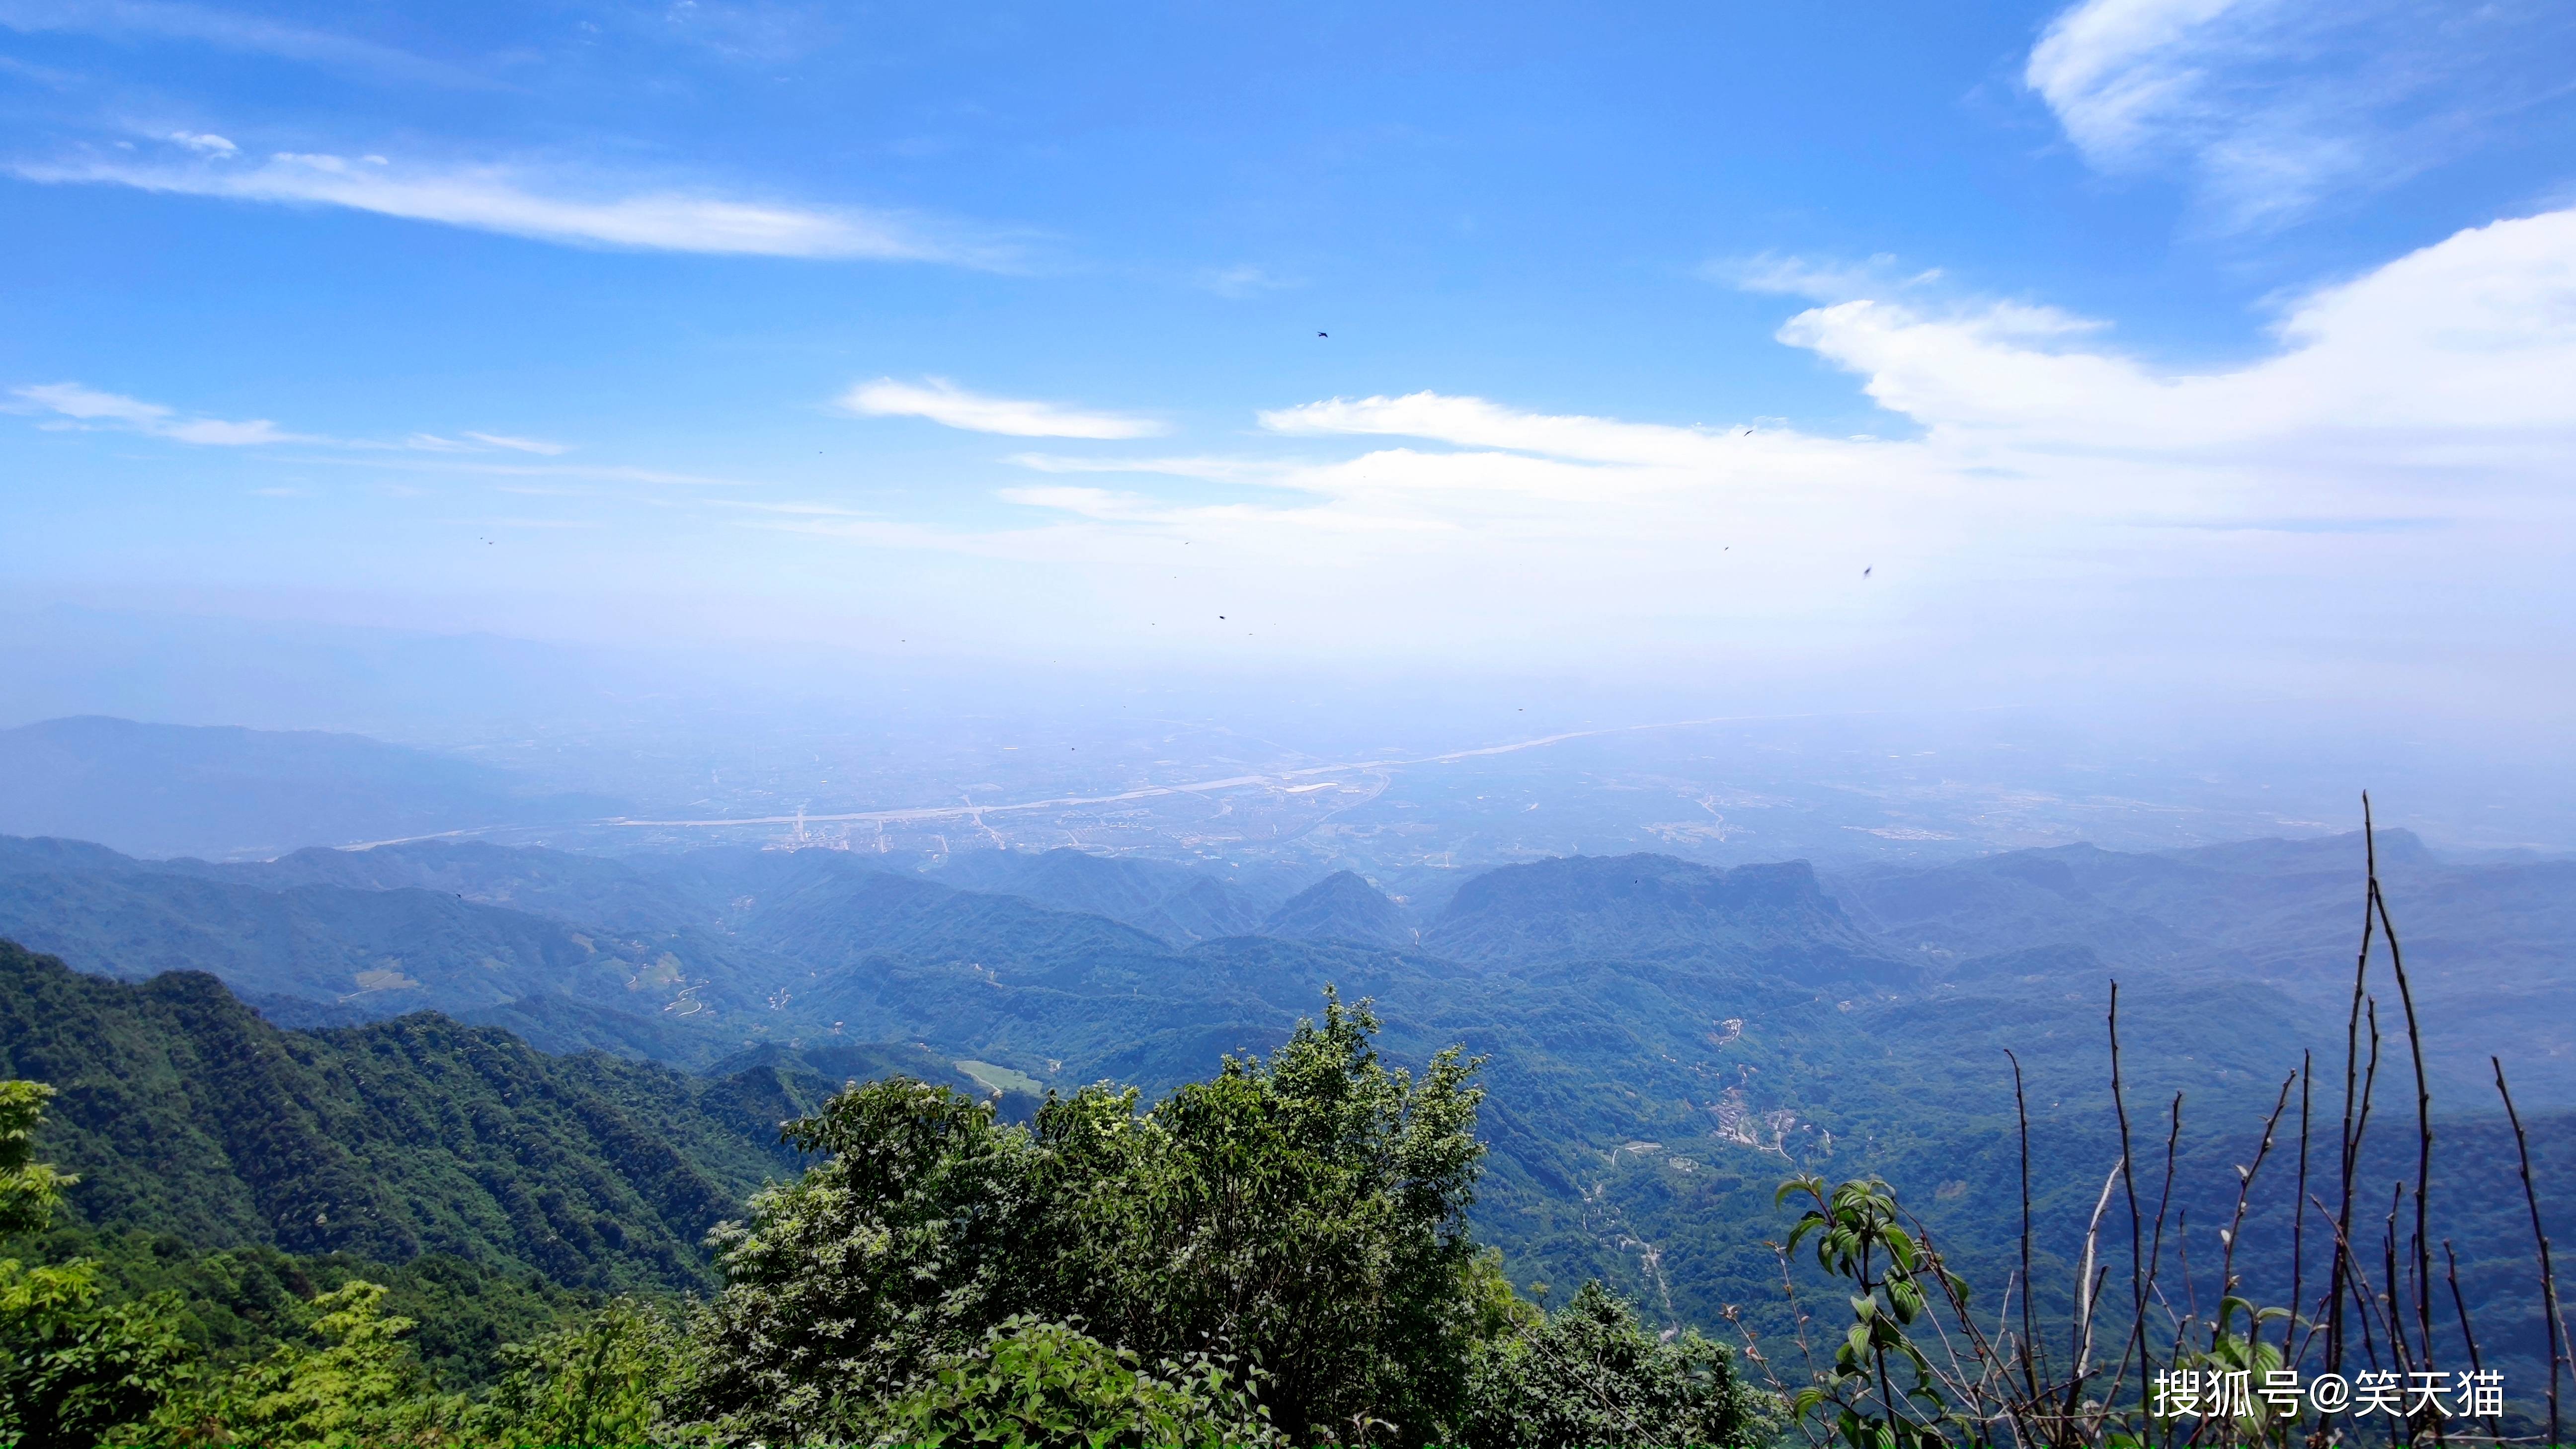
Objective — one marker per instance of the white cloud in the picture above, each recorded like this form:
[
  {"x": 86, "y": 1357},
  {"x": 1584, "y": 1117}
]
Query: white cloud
[
  {"x": 207, "y": 144},
  {"x": 1477, "y": 423},
  {"x": 1824, "y": 281},
  {"x": 541, "y": 208},
  {"x": 2473, "y": 336},
  {"x": 2116, "y": 71},
  {"x": 522, "y": 445},
  {"x": 76, "y": 406},
  {"x": 1242, "y": 280},
  {"x": 949, "y": 405},
  {"x": 228, "y": 30},
  {"x": 72, "y": 400},
  {"x": 2392, "y": 467},
  {"x": 2274, "y": 105},
  {"x": 83, "y": 405},
  {"x": 1212, "y": 469}
]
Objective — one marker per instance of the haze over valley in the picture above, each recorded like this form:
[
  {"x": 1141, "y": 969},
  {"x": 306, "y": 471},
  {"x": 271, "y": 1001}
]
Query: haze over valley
[{"x": 746, "y": 723}]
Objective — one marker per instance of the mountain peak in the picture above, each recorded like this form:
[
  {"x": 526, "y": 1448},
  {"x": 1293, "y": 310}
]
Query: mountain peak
[
  {"x": 1773, "y": 918},
  {"x": 1340, "y": 907}
]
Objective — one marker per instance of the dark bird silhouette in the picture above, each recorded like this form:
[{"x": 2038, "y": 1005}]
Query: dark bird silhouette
[
  {"x": 1323, "y": 334},
  {"x": 1864, "y": 573}
]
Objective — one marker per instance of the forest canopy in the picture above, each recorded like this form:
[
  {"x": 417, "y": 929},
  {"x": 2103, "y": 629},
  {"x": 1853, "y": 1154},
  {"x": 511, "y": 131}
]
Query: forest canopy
[{"x": 1279, "y": 1254}]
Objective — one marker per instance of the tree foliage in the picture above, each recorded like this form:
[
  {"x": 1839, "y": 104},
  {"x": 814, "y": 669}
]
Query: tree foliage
[
  {"x": 355, "y": 1386},
  {"x": 1591, "y": 1373},
  {"x": 1276, "y": 1255},
  {"x": 1037, "y": 1385},
  {"x": 74, "y": 1368},
  {"x": 1305, "y": 1212},
  {"x": 601, "y": 1381}
]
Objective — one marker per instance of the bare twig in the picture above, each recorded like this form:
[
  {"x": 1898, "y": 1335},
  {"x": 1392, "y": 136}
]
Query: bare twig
[
  {"x": 2423, "y": 1097},
  {"x": 2399, "y": 1351},
  {"x": 2351, "y": 1140},
  {"x": 2087, "y": 1286},
  {"x": 2245, "y": 1176},
  {"x": 2299, "y": 1222},
  {"x": 2363, "y": 1297},
  {"x": 2129, "y": 1179},
  {"x": 2468, "y": 1334},
  {"x": 2029, "y": 1338},
  {"x": 2361, "y": 1128},
  {"x": 2548, "y": 1275}
]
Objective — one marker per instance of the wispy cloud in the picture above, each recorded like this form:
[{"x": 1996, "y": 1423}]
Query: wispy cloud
[
  {"x": 522, "y": 445},
  {"x": 1242, "y": 280},
  {"x": 2403, "y": 441},
  {"x": 228, "y": 30},
  {"x": 78, "y": 406},
  {"x": 538, "y": 206},
  {"x": 2274, "y": 105},
  {"x": 1212, "y": 469},
  {"x": 1477, "y": 423},
  {"x": 590, "y": 472},
  {"x": 73, "y": 405},
  {"x": 945, "y": 403},
  {"x": 1822, "y": 280}
]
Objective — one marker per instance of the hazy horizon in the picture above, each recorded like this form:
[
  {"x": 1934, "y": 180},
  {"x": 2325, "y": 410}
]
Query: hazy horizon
[{"x": 2147, "y": 388}]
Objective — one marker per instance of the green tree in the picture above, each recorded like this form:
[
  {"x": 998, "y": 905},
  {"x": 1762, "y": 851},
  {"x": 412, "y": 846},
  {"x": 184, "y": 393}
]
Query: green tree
[
  {"x": 1591, "y": 1373},
  {"x": 602, "y": 1381},
  {"x": 1305, "y": 1213},
  {"x": 1037, "y": 1385},
  {"x": 357, "y": 1384},
  {"x": 74, "y": 1368},
  {"x": 861, "y": 1271},
  {"x": 28, "y": 1189}
]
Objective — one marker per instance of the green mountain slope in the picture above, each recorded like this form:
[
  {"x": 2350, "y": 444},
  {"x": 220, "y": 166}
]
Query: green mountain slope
[
  {"x": 1176, "y": 904},
  {"x": 585, "y": 890},
  {"x": 2491, "y": 948},
  {"x": 1774, "y": 919},
  {"x": 186, "y": 1113},
  {"x": 326, "y": 953},
  {"x": 1666, "y": 1041},
  {"x": 1341, "y": 907}
]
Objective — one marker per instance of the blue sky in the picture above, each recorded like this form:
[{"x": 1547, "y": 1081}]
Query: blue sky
[{"x": 2137, "y": 341}]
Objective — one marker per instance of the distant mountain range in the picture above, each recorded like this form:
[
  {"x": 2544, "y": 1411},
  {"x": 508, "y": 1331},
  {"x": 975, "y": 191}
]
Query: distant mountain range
[
  {"x": 2491, "y": 946},
  {"x": 155, "y": 789},
  {"x": 1663, "y": 1040}
]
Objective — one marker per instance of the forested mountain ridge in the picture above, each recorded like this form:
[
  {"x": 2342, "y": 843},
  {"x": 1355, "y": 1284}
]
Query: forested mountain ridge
[
  {"x": 1664, "y": 1038},
  {"x": 1178, "y": 905},
  {"x": 1341, "y": 907},
  {"x": 375, "y": 951},
  {"x": 587, "y": 890},
  {"x": 2491, "y": 946},
  {"x": 1772, "y": 919},
  {"x": 183, "y": 1112}
]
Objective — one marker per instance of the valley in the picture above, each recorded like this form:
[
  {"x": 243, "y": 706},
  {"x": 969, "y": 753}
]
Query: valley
[{"x": 1662, "y": 1041}]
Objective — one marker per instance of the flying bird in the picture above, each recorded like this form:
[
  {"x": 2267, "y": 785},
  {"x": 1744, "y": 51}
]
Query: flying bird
[
  {"x": 1864, "y": 573},
  {"x": 1323, "y": 334}
]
